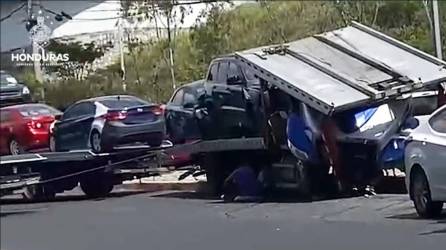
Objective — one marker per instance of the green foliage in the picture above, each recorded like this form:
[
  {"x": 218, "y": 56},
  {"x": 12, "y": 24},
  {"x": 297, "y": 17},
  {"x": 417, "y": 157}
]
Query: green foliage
[
  {"x": 80, "y": 54},
  {"x": 249, "y": 25},
  {"x": 27, "y": 76}
]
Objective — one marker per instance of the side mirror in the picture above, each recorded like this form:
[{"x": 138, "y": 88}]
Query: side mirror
[
  {"x": 57, "y": 117},
  {"x": 411, "y": 123},
  {"x": 234, "y": 80}
]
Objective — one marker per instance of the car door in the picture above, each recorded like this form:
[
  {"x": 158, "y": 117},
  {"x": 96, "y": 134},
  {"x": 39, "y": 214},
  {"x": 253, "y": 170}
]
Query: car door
[
  {"x": 435, "y": 150},
  {"x": 173, "y": 116},
  {"x": 83, "y": 124},
  {"x": 190, "y": 129},
  {"x": 73, "y": 130}
]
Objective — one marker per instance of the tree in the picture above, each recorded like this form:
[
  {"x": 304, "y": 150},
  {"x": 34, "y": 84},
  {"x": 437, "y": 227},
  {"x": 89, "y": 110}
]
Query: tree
[{"x": 81, "y": 55}]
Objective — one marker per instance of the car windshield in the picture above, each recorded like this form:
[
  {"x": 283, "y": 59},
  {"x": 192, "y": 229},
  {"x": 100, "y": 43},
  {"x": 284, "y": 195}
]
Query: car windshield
[
  {"x": 7, "y": 79},
  {"x": 38, "y": 110},
  {"x": 122, "y": 103},
  {"x": 368, "y": 119}
]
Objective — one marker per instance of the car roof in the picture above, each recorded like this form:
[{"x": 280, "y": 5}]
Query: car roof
[
  {"x": 224, "y": 57},
  {"x": 194, "y": 85},
  {"x": 109, "y": 97},
  {"x": 17, "y": 106}
]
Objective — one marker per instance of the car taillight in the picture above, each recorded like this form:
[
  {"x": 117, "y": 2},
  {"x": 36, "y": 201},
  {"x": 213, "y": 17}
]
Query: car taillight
[
  {"x": 35, "y": 125},
  {"x": 115, "y": 116},
  {"x": 157, "y": 110}
]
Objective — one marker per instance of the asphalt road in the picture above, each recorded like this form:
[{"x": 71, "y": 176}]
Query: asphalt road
[{"x": 188, "y": 221}]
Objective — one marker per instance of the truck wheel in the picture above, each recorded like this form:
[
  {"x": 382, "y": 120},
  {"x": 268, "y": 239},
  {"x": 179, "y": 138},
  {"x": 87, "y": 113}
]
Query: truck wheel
[
  {"x": 39, "y": 193},
  {"x": 97, "y": 185},
  {"x": 214, "y": 174}
]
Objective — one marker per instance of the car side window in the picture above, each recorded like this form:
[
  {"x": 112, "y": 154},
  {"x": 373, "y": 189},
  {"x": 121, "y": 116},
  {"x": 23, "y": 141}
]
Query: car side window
[
  {"x": 5, "y": 116},
  {"x": 222, "y": 76},
  {"x": 438, "y": 122},
  {"x": 178, "y": 98},
  {"x": 78, "y": 110},
  {"x": 234, "y": 71},
  {"x": 71, "y": 112},
  {"x": 249, "y": 74},
  {"x": 189, "y": 98},
  {"x": 213, "y": 72},
  {"x": 87, "y": 108}
]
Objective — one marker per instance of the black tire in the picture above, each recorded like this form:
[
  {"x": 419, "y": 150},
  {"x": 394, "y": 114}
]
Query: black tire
[
  {"x": 52, "y": 143},
  {"x": 421, "y": 194},
  {"x": 96, "y": 142},
  {"x": 39, "y": 193},
  {"x": 155, "y": 142},
  {"x": 97, "y": 185},
  {"x": 14, "y": 147}
]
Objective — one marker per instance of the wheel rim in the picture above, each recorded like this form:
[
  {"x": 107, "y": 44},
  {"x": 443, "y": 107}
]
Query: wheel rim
[
  {"x": 421, "y": 193},
  {"x": 14, "y": 147},
  {"x": 96, "y": 142}
]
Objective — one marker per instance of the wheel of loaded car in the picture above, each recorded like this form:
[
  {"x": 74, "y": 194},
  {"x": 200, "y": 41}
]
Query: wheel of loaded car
[
  {"x": 14, "y": 147},
  {"x": 52, "y": 142},
  {"x": 39, "y": 193},
  {"x": 95, "y": 141},
  {"x": 422, "y": 196}
]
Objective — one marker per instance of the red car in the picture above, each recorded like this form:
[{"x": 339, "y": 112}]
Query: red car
[{"x": 25, "y": 127}]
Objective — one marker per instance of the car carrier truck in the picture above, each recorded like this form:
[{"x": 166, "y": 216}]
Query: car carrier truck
[{"x": 329, "y": 111}]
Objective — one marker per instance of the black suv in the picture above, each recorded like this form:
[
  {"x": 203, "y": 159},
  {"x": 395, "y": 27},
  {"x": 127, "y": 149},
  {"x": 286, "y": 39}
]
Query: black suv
[
  {"x": 11, "y": 91},
  {"x": 232, "y": 100}
]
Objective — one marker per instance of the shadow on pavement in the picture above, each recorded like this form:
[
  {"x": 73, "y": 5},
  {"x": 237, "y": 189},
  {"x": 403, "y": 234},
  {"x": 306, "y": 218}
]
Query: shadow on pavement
[
  {"x": 282, "y": 197},
  {"x": 68, "y": 197},
  {"x": 441, "y": 220},
  {"x": 414, "y": 216},
  {"x": 391, "y": 185},
  {"x": 192, "y": 195},
  {"x": 9, "y": 213}
]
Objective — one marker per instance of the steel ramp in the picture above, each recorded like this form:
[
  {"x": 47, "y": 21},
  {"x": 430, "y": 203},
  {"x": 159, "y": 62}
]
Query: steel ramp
[
  {"x": 8, "y": 159},
  {"x": 345, "y": 68},
  {"x": 80, "y": 155}
]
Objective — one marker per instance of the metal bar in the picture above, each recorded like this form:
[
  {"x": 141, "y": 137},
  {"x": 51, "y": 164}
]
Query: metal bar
[
  {"x": 95, "y": 169},
  {"x": 336, "y": 75},
  {"x": 399, "y": 44},
  {"x": 437, "y": 32},
  {"x": 39, "y": 158},
  {"x": 358, "y": 56}
]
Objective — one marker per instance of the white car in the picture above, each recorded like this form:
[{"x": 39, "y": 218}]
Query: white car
[{"x": 425, "y": 161}]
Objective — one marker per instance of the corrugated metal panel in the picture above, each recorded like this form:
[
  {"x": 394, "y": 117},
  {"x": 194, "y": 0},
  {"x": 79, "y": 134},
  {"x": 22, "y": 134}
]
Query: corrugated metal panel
[
  {"x": 345, "y": 68},
  {"x": 339, "y": 61},
  {"x": 309, "y": 83},
  {"x": 416, "y": 68}
]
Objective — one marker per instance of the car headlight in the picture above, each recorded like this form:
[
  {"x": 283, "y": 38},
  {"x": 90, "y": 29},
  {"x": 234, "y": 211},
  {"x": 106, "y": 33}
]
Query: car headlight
[{"x": 25, "y": 91}]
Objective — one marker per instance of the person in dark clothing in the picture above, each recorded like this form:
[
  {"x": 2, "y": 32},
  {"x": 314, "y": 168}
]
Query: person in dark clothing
[{"x": 242, "y": 185}]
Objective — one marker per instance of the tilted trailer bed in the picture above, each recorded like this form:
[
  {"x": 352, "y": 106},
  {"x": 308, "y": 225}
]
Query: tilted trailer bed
[{"x": 345, "y": 68}]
